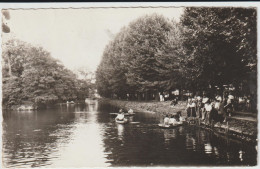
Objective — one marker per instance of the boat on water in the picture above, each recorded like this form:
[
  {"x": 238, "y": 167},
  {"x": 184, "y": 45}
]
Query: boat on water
[
  {"x": 90, "y": 101},
  {"x": 122, "y": 121},
  {"x": 125, "y": 114},
  {"x": 114, "y": 114},
  {"x": 170, "y": 126},
  {"x": 129, "y": 114}
]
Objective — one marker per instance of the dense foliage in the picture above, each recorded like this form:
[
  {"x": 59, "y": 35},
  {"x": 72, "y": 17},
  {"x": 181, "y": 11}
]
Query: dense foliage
[
  {"x": 220, "y": 46},
  {"x": 209, "y": 47},
  {"x": 31, "y": 75},
  {"x": 140, "y": 60}
]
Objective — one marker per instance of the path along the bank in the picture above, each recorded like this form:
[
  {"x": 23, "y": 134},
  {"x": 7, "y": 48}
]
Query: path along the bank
[{"x": 242, "y": 124}]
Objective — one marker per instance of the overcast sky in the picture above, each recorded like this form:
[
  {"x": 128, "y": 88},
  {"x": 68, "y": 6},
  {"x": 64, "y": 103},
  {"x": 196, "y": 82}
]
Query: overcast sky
[{"x": 77, "y": 37}]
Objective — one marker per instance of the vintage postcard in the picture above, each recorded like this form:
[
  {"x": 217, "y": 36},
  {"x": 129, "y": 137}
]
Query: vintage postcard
[{"x": 129, "y": 85}]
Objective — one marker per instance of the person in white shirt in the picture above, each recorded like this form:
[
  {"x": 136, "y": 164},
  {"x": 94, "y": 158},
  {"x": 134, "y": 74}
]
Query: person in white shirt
[
  {"x": 230, "y": 104},
  {"x": 120, "y": 116},
  {"x": 208, "y": 109},
  {"x": 204, "y": 99},
  {"x": 130, "y": 111},
  {"x": 166, "y": 120},
  {"x": 172, "y": 120},
  {"x": 193, "y": 108}
]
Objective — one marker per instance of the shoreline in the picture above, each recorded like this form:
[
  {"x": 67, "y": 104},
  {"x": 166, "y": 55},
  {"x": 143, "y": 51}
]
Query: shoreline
[{"x": 235, "y": 128}]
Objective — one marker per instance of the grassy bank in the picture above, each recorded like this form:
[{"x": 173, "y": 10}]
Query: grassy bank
[
  {"x": 151, "y": 106},
  {"x": 242, "y": 129}
]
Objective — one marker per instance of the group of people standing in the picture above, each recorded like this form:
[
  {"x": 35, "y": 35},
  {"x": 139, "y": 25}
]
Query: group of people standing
[{"x": 210, "y": 109}]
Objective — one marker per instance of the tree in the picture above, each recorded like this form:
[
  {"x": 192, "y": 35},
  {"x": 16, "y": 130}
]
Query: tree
[
  {"x": 220, "y": 45},
  {"x": 141, "y": 60},
  {"x": 35, "y": 76}
]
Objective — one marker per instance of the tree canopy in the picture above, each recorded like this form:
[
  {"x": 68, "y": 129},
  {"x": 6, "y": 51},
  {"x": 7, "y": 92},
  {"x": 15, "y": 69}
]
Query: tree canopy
[
  {"x": 31, "y": 74},
  {"x": 208, "y": 47},
  {"x": 137, "y": 59},
  {"x": 220, "y": 45}
]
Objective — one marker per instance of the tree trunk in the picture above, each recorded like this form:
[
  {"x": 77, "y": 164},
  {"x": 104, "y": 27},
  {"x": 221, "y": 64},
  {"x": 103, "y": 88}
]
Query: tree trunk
[
  {"x": 9, "y": 65},
  {"x": 139, "y": 96},
  {"x": 146, "y": 96},
  {"x": 157, "y": 97},
  {"x": 170, "y": 95}
]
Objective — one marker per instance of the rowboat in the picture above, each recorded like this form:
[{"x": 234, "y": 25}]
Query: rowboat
[
  {"x": 129, "y": 114},
  {"x": 125, "y": 114},
  {"x": 114, "y": 114},
  {"x": 169, "y": 126},
  {"x": 121, "y": 121}
]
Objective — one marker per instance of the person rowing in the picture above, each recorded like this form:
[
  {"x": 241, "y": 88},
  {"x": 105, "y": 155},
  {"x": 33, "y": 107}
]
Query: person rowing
[
  {"x": 120, "y": 116},
  {"x": 166, "y": 120},
  {"x": 172, "y": 120},
  {"x": 130, "y": 111}
]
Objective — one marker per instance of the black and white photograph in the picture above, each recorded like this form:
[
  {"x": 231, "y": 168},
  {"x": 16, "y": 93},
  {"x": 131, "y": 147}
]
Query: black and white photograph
[{"x": 129, "y": 85}]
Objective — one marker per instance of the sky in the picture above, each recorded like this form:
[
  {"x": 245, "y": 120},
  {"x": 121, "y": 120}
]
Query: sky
[{"x": 77, "y": 37}]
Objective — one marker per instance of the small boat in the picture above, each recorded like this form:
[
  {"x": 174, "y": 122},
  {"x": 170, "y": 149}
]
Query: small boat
[
  {"x": 129, "y": 114},
  {"x": 122, "y": 121},
  {"x": 125, "y": 114},
  {"x": 169, "y": 126},
  {"x": 113, "y": 113}
]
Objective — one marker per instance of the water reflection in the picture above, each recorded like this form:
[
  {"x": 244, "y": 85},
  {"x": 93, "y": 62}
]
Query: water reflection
[
  {"x": 85, "y": 147},
  {"x": 120, "y": 131},
  {"x": 53, "y": 138},
  {"x": 86, "y": 135}
]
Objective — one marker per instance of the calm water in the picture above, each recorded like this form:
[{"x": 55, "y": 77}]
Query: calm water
[{"x": 87, "y": 136}]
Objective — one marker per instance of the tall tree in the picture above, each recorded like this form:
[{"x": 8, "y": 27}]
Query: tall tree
[
  {"x": 35, "y": 76},
  {"x": 142, "y": 59},
  {"x": 220, "y": 45}
]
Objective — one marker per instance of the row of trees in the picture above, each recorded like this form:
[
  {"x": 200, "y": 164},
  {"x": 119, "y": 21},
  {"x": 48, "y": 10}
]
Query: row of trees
[
  {"x": 209, "y": 47},
  {"x": 31, "y": 75}
]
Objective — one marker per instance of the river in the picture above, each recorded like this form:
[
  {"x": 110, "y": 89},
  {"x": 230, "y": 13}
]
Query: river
[{"x": 87, "y": 136}]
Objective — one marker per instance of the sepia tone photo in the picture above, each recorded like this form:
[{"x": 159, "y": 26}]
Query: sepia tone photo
[{"x": 129, "y": 86}]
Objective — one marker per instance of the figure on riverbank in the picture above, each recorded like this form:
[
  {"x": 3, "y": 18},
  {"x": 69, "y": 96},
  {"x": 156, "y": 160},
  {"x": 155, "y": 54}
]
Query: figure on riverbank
[
  {"x": 191, "y": 108},
  {"x": 174, "y": 102},
  {"x": 199, "y": 107},
  {"x": 161, "y": 97},
  {"x": 221, "y": 111},
  {"x": 229, "y": 107},
  {"x": 207, "y": 112}
]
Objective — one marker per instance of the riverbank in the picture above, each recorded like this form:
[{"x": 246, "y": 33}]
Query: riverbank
[
  {"x": 236, "y": 127},
  {"x": 151, "y": 106}
]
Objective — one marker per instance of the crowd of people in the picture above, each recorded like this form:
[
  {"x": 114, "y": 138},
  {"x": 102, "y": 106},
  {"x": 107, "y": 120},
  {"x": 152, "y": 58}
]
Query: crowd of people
[
  {"x": 211, "y": 109},
  {"x": 206, "y": 108}
]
